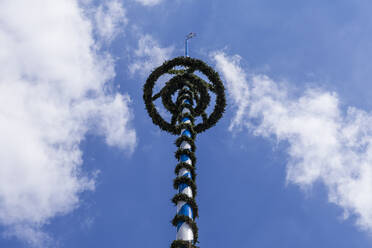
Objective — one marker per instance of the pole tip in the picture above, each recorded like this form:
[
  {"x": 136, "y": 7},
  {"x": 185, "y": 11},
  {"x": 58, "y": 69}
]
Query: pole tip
[{"x": 190, "y": 35}]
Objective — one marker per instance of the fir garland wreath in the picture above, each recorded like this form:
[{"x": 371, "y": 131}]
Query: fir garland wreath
[{"x": 189, "y": 117}]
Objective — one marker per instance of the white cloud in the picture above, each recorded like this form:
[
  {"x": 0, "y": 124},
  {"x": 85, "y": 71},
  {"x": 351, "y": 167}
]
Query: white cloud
[
  {"x": 149, "y": 2},
  {"x": 149, "y": 55},
  {"x": 324, "y": 143},
  {"x": 34, "y": 237},
  {"x": 53, "y": 90},
  {"x": 236, "y": 80},
  {"x": 110, "y": 18}
]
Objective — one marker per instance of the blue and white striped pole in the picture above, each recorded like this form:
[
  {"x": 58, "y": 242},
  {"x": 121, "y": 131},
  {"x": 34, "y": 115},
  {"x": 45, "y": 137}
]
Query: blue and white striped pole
[
  {"x": 192, "y": 101},
  {"x": 184, "y": 231}
]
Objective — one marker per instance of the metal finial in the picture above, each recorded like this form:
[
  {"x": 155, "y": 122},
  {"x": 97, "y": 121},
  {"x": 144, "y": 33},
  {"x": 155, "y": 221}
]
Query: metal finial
[{"x": 189, "y": 36}]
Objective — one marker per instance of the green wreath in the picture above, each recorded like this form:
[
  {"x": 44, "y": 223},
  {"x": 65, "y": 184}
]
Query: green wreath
[{"x": 198, "y": 87}]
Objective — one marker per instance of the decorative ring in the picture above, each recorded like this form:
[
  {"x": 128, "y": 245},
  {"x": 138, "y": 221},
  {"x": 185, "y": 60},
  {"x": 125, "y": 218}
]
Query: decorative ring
[{"x": 195, "y": 84}]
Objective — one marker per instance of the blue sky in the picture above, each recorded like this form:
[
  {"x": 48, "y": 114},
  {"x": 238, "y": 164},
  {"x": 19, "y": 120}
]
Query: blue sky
[{"x": 82, "y": 165}]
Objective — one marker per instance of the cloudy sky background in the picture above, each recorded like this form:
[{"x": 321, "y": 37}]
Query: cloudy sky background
[{"x": 83, "y": 166}]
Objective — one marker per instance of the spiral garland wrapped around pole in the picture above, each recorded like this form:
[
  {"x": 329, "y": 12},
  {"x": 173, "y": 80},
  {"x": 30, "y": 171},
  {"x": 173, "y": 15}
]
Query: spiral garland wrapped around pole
[
  {"x": 186, "y": 96},
  {"x": 186, "y": 206}
]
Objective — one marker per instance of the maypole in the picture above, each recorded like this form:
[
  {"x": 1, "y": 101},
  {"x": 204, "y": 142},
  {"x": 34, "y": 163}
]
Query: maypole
[{"x": 186, "y": 97}]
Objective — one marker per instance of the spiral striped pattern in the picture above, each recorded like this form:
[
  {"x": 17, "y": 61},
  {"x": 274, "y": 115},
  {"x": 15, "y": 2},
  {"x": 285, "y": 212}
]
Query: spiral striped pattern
[
  {"x": 184, "y": 200},
  {"x": 184, "y": 231}
]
